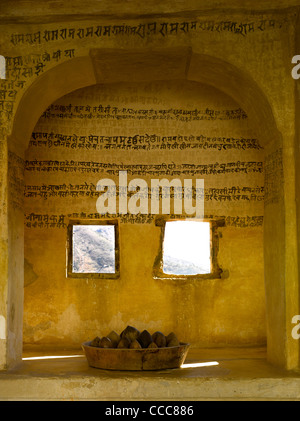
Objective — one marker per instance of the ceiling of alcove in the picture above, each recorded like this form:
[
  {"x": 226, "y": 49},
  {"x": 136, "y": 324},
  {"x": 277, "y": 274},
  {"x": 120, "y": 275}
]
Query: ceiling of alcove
[{"x": 167, "y": 94}]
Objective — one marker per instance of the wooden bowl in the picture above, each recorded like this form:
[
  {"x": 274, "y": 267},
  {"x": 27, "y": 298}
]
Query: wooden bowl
[{"x": 136, "y": 359}]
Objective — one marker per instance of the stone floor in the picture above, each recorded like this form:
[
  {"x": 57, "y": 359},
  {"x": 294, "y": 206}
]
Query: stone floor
[{"x": 207, "y": 374}]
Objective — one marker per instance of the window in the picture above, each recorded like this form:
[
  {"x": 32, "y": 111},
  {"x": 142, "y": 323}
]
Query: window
[
  {"x": 93, "y": 249},
  {"x": 188, "y": 249}
]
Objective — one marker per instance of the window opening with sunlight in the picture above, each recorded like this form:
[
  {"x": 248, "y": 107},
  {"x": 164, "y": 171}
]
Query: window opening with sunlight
[{"x": 186, "y": 248}]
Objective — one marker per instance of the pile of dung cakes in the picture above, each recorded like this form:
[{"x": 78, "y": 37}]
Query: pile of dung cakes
[{"x": 132, "y": 338}]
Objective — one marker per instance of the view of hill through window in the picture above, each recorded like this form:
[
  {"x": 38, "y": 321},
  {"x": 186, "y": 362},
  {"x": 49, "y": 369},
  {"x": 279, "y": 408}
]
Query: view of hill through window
[
  {"x": 186, "y": 248},
  {"x": 93, "y": 249}
]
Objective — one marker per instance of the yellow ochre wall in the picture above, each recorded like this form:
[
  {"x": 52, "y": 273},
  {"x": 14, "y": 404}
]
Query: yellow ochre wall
[
  {"x": 179, "y": 58},
  {"x": 174, "y": 129}
]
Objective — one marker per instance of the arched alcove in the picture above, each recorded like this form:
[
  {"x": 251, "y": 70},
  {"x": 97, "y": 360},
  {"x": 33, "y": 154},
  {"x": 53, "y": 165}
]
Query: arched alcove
[{"x": 108, "y": 66}]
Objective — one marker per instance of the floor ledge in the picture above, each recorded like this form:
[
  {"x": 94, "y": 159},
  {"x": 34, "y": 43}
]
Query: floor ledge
[{"x": 208, "y": 374}]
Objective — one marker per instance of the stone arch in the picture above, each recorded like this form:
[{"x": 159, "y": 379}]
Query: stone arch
[
  {"x": 51, "y": 85},
  {"x": 110, "y": 65}
]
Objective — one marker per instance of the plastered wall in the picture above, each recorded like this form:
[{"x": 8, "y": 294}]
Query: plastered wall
[
  {"x": 176, "y": 129},
  {"x": 246, "y": 54}
]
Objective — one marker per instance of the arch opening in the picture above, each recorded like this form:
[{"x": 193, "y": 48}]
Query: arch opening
[{"x": 200, "y": 69}]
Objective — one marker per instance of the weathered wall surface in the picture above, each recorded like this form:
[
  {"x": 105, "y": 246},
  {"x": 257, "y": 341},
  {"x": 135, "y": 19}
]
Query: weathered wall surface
[
  {"x": 177, "y": 129},
  {"x": 229, "y": 310}
]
